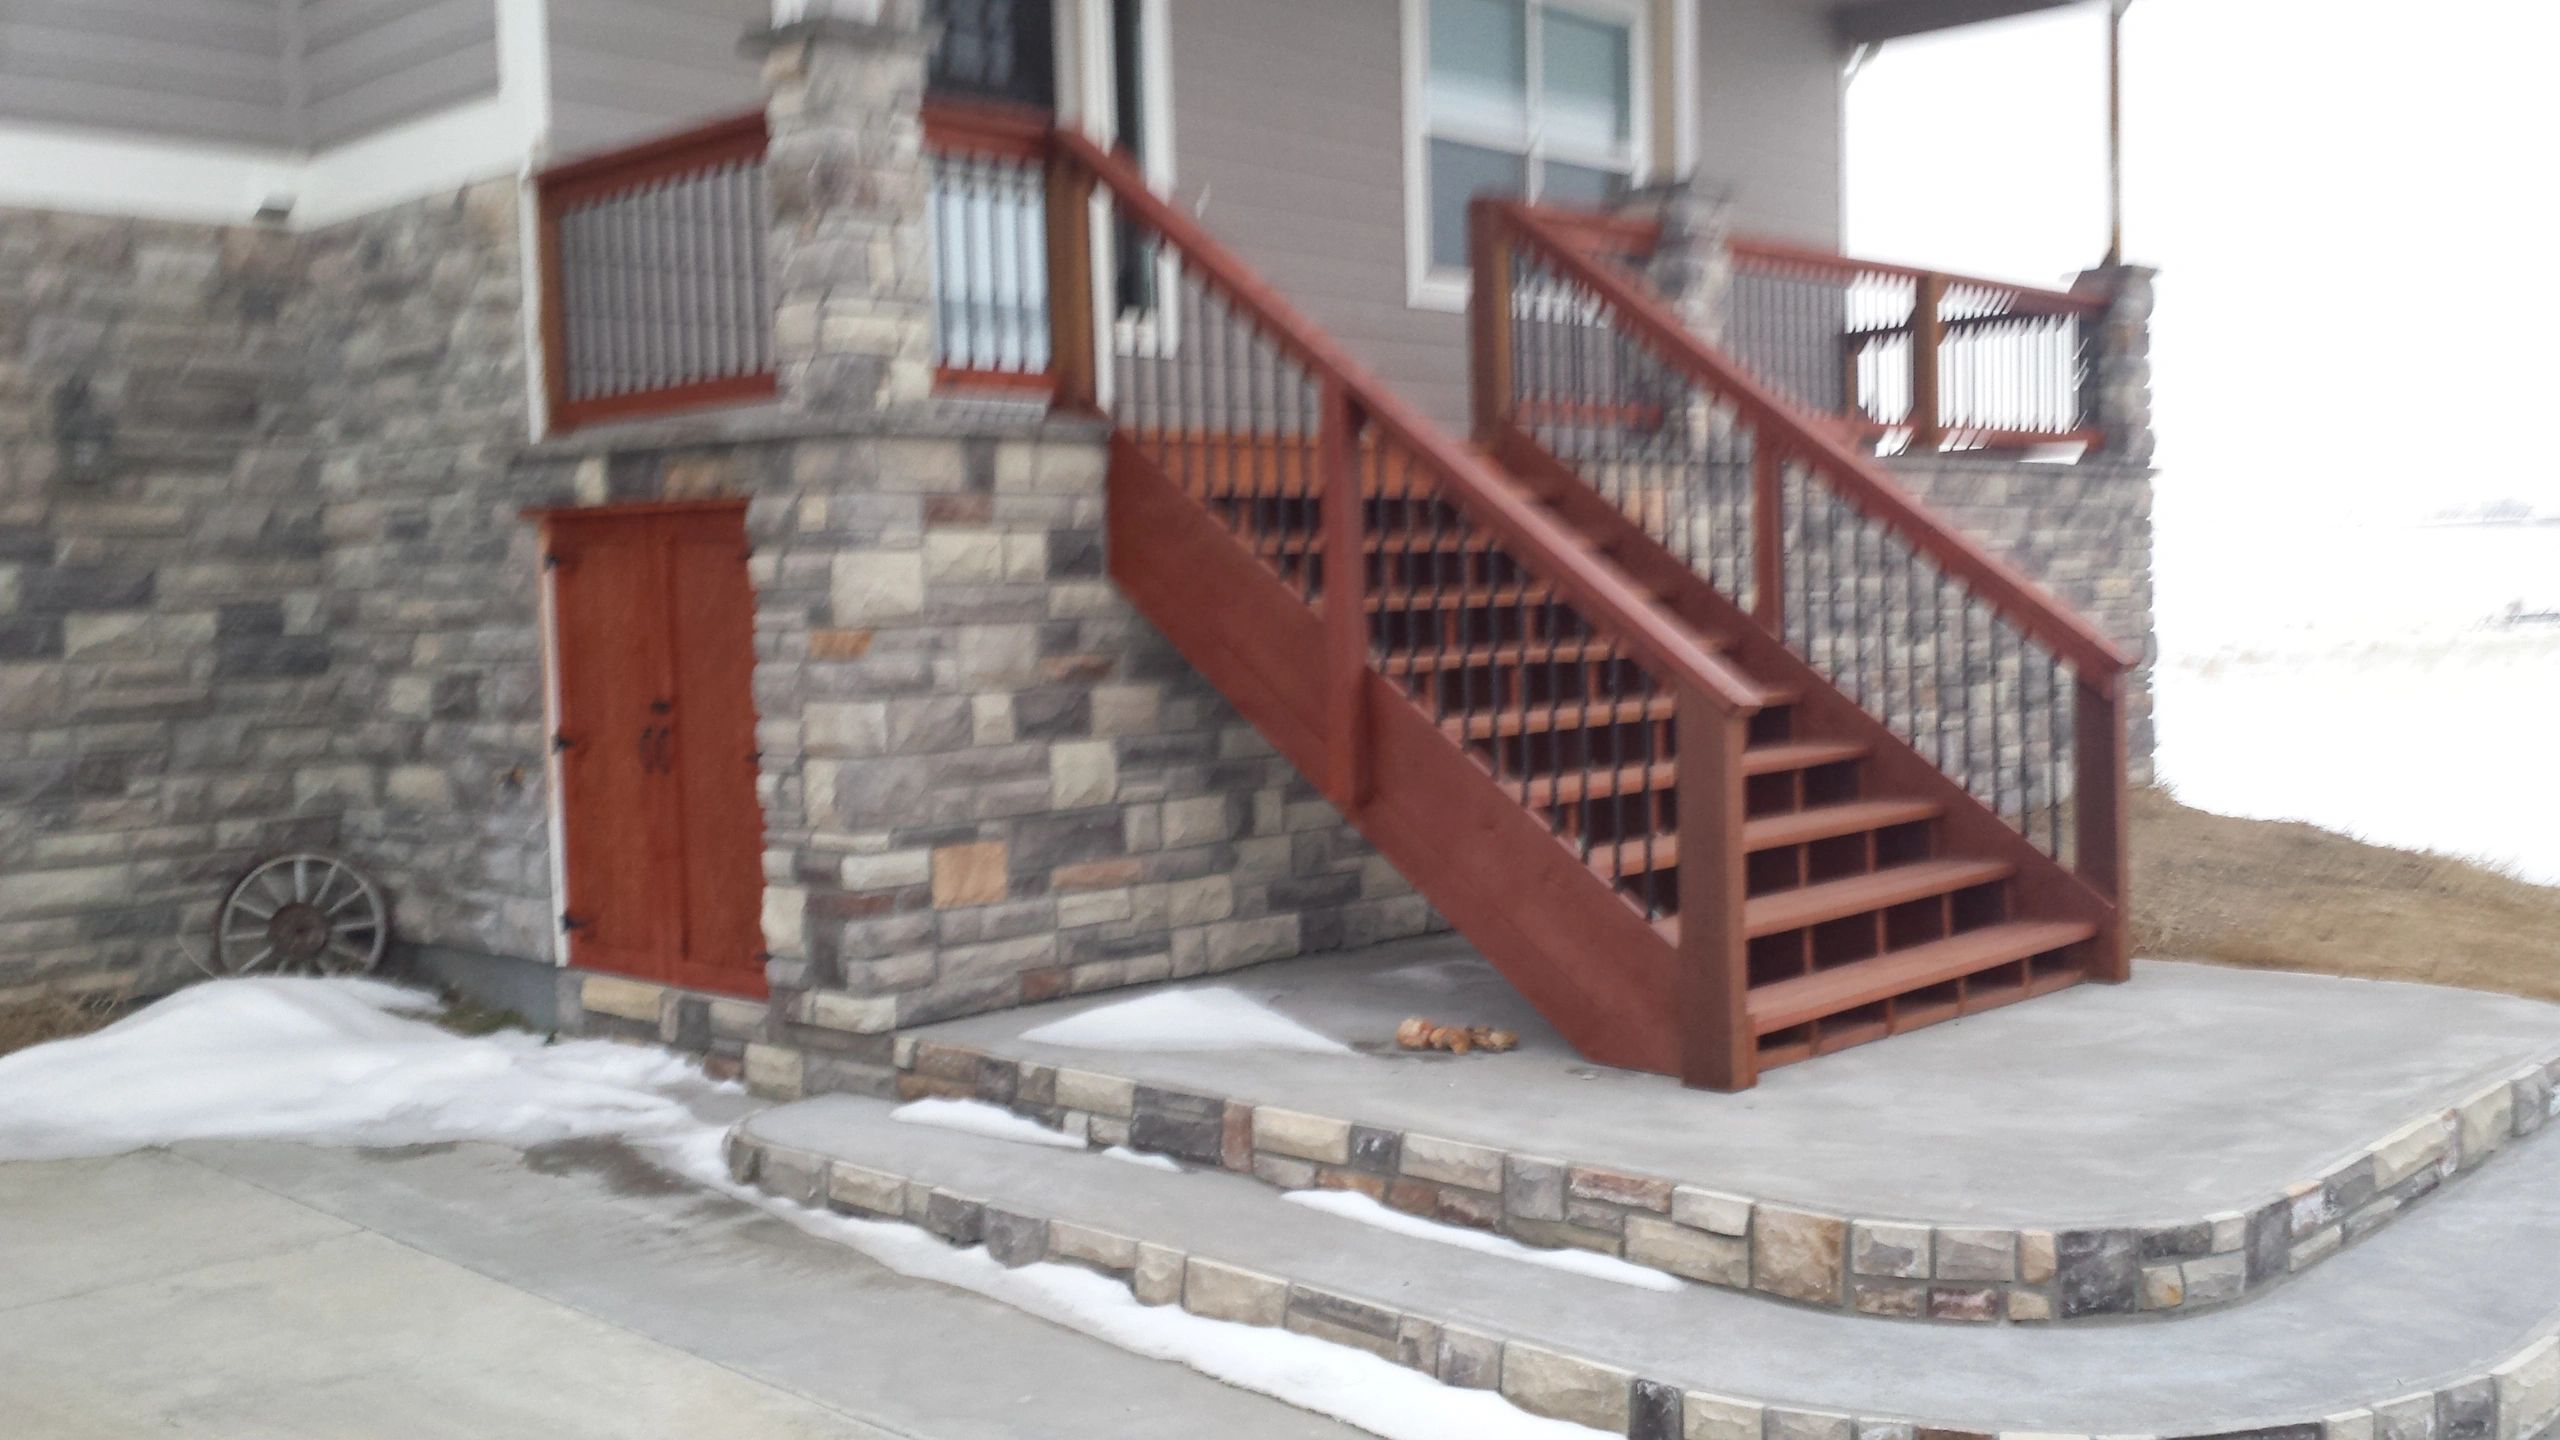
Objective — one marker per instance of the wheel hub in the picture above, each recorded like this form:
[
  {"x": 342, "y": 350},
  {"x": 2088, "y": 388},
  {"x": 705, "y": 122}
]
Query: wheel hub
[{"x": 298, "y": 931}]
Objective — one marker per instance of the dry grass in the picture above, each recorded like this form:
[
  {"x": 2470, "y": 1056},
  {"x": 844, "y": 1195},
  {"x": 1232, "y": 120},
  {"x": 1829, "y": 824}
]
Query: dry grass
[
  {"x": 2277, "y": 896},
  {"x": 54, "y": 1015}
]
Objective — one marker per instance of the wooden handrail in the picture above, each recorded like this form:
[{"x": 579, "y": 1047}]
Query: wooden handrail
[
  {"x": 1857, "y": 480},
  {"x": 1538, "y": 541},
  {"x": 986, "y": 127},
  {"x": 734, "y": 138},
  {"x": 2024, "y": 299}
]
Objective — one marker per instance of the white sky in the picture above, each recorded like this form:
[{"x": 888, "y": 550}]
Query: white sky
[{"x": 2351, "y": 202}]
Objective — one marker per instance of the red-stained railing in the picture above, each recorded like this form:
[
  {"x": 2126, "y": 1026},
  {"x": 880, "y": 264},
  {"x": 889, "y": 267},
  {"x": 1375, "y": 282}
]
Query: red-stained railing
[
  {"x": 1998, "y": 685},
  {"x": 654, "y": 289},
  {"x": 1918, "y": 358}
]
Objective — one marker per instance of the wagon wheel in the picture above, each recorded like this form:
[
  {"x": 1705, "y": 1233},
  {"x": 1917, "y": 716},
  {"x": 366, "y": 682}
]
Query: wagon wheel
[{"x": 300, "y": 912}]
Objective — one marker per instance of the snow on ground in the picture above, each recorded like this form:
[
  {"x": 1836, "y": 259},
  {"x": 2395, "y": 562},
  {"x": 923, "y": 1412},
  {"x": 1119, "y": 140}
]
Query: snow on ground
[
  {"x": 1216, "y": 1018},
  {"x": 977, "y": 1117},
  {"x": 1349, "y": 1385},
  {"x": 349, "y": 1062},
  {"x": 1351, "y": 1205},
  {"x": 335, "y": 1062},
  {"x": 1146, "y": 1158}
]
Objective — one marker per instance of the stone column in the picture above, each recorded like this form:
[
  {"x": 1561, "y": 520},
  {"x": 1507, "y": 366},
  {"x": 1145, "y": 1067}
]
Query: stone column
[
  {"x": 851, "y": 246},
  {"x": 2119, "y": 383},
  {"x": 1691, "y": 266}
]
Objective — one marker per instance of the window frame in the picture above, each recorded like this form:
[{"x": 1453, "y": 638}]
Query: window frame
[{"x": 1435, "y": 287}]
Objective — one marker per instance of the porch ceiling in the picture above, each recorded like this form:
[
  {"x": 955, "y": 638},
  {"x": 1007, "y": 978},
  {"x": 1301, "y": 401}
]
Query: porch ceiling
[{"x": 1866, "y": 22}]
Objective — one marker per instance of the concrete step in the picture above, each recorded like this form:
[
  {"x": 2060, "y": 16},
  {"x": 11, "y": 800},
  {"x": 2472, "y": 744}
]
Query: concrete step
[
  {"x": 2163, "y": 1148},
  {"x": 2451, "y": 1315}
]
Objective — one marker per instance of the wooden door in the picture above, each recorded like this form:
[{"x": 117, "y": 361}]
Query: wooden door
[{"x": 653, "y": 633}]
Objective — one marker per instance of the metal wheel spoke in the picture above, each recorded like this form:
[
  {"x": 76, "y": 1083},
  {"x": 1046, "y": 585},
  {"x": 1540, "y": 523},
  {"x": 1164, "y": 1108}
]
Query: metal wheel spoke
[
  {"x": 362, "y": 924},
  {"x": 352, "y": 897},
  {"x": 328, "y": 877},
  {"x": 301, "y": 878},
  {"x": 241, "y": 902},
  {"x": 265, "y": 954}
]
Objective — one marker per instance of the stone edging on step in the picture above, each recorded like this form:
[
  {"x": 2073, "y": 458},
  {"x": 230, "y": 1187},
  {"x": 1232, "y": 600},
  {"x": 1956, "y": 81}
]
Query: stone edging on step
[
  {"x": 2518, "y": 1399},
  {"x": 1896, "y": 1268}
]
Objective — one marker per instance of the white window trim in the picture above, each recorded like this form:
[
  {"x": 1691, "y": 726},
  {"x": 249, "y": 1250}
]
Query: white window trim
[
  {"x": 1085, "y": 84},
  {"x": 1430, "y": 288}
]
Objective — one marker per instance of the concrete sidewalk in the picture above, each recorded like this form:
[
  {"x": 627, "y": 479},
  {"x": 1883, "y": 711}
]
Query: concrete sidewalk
[{"x": 274, "y": 1291}]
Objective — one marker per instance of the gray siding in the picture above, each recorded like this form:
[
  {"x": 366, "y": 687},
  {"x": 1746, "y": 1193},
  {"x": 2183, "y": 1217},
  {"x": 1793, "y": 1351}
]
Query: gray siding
[
  {"x": 1289, "y": 119},
  {"x": 203, "y": 69},
  {"x": 1288, "y": 131},
  {"x": 370, "y": 64},
  {"x": 623, "y": 70},
  {"x": 1769, "y": 115}
]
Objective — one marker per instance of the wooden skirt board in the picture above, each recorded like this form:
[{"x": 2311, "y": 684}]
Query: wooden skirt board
[{"x": 653, "y": 654}]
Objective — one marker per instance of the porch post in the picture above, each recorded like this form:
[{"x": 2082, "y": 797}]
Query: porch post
[
  {"x": 850, "y": 247},
  {"x": 2116, "y": 393}
]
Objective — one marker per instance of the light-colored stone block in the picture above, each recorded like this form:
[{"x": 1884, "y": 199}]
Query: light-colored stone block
[
  {"x": 889, "y": 870},
  {"x": 1098, "y": 1248},
  {"x": 2413, "y": 1148},
  {"x": 1798, "y": 1254},
  {"x": 1980, "y": 1256},
  {"x": 1716, "y": 1417},
  {"x": 857, "y": 1188},
  {"x": 627, "y": 999},
  {"x": 1307, "y": 1137},
  {"x": 1228, "y": 1292},
  {"x": 1711, "y": 1210},
  {"x": 1452, "y": 1162},
  {"x": 1694, "y": 1254},
  {"x": 2487, "y": 1122},
  {"x": 2035, "y": 1256},
  {"x": 1564, "y": 1387},
  {"x": 866, "y": 586},
  {"x": 2529, "y": 1390},
  {"x": 969, "y": 874},
  {"x": 1786, "y": 1424},
  {"x": 851, "y": 1014},
  {"x": 1096, "y": 1094},
  {"x": 1158, "y": 1277},
  {"x": 1083, "y": 773},
  {"x": 1878, "y": 1247},
  {"x": 2164, "y": 1287}
]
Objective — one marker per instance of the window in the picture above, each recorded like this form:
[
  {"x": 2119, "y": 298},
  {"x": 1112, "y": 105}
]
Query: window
[{"x": 1537, "y": 98}]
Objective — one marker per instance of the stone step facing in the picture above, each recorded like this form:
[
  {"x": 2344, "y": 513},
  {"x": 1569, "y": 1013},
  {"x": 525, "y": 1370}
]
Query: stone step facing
[
  {"x": 1929, "y": 1180},
  {"x": 2442, "y": 1330}
]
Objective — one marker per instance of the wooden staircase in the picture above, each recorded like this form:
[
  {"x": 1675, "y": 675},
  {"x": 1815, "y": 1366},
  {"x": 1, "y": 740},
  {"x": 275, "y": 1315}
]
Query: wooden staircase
[{"x": 1664, "y": 806}]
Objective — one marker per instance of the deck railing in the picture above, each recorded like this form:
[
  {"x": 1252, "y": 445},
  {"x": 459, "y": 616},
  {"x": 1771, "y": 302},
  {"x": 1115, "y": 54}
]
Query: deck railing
[
  {"x": 1981, "y": 674},
  {"x": 655, "y": 295},
  {"x": 1933, "y": 360},
  {"x": 989, "y": 169}
]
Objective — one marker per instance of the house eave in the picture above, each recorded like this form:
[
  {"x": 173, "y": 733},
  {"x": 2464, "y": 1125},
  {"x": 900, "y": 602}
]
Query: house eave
[{"x": 1871, "y": 22}]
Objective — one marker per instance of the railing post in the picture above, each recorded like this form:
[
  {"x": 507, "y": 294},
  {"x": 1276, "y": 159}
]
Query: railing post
[
  {"x": 1768, "y": 534},
  {"x": 1718, "y": 1048},
  {"x": 1928, "y": 335},
  {"x": 1071, "y": 302},
  {"x": 1346, "y": 597},
  {"x": 1491, "y": 255},
  {"x": 2098, "y": 810}
]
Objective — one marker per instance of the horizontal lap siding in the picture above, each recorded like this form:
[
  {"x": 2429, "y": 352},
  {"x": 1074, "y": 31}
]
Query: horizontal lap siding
[
  {"x": 1288, "y": 120},
  {"x": 623, "y": 70},
  {"x": 1769, "y": 110},
  {"x": 372, "y": 64},
  {"x": 203, "y": 69}
]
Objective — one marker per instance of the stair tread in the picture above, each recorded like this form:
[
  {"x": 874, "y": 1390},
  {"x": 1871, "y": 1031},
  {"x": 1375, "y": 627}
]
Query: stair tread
[
  {"x": 1541, "y": 719},
  {"x": 2171, "y": 1377},
  {"x": 1422, "y": 662},
  {"x": 1428, "y": 598},
  {"x": 1859, "y": 894},
  {"x": 1799, "y": 755},
  {"x": 1788, "y": 1003},
  {"x": 1824, "y": 822}
]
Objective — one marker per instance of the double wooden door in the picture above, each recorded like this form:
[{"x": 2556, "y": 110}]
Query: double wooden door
[{"x": 653, "y": 643}]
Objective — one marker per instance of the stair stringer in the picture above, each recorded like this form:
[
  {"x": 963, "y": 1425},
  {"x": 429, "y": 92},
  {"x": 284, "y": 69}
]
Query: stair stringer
[
  {"x": 1556, "y": 930},
  {"x": 2042, "y": 885}
]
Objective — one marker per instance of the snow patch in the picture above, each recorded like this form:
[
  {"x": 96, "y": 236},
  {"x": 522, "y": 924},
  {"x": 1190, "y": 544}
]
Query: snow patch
[
  {"x": 1351, "y": 1205},
  {"x": 1147, "y": 1158},
  {"x": 333, "y": 1062},
  {"x": 1348, "y": 1385},
  {"x": 1169, "y": 1020},
  {"x": 977, "y": 1117}
]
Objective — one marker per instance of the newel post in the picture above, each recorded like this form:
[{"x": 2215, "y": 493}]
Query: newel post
[
  {"x": 1072, "y": 364},
  {"x": 1718, "y": 1048},
  {"x": 2100, "y": 840},
  {"x": 1346, "y": 598},
  {"x": 1491, "y": 255},
  {"x": 2115, "y": 395},
  {"x": 849, "y": 248},
  {"x": 1768, "y": 534},
  {"x": 1928, "y": 340}
]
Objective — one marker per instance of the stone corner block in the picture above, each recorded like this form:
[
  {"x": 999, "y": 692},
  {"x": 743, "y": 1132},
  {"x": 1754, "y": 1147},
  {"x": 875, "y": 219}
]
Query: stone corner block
[{"x": 1565, "y": 1387}]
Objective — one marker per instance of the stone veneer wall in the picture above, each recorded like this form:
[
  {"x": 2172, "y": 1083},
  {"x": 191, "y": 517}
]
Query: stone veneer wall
[
  {"x": 987, "y": 781},
  {"x": 2082, "y": 531},
  {"x": 165, "y": 675}
]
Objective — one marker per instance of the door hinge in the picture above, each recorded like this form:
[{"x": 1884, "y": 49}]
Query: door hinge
[
  {"x": 569, "y": 924},
  {"x": 550, "y": 559},
  {"x": 559, "y": 741}
]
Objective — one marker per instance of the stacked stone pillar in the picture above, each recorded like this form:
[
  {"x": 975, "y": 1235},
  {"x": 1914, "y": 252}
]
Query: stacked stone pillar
[
  {"x": 2119, "y": 383},
  {"x": 1692, "y": 266},
  {"x": 850, "y": 247}
]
